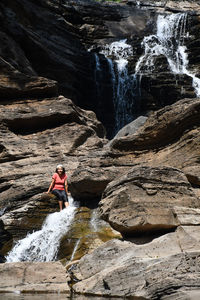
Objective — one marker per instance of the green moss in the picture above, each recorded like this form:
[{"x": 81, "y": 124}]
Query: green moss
[{"x": 81, "y": 232}]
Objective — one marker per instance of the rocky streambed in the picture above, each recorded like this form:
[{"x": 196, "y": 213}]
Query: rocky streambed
[{"x": 144, "y": 183}]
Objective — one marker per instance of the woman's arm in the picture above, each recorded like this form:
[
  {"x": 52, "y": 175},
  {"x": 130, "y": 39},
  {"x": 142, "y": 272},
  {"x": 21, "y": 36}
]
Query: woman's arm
[
  {"x": 66, "y": 187},
  {"x": 51, "y": 185}
]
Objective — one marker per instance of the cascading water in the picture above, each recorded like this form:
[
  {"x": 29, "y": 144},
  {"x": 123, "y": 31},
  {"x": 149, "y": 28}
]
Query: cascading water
[
  {"x": 75, "y": 249},
  {"x": 169, "y": 42},
  {"x": 43, "y": 245},
  {"x": 122, "y": 83}
]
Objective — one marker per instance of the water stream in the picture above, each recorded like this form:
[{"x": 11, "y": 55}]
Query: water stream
[
  {"x": 168, "y": 41},
  {"x": 117, "y": 54},
  {"x": 43, "y": 245}
]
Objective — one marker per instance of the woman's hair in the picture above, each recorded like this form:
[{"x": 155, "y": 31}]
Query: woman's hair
[{"x": 60, "y": 166}]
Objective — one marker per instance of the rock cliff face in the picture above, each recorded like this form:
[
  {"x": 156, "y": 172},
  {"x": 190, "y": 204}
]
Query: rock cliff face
[
  {"x": 34, "y": 138},
  {"x": 45, "y": 51},
  {"x": 147, "y": 177},
  {"x": 154, "y": 202}
]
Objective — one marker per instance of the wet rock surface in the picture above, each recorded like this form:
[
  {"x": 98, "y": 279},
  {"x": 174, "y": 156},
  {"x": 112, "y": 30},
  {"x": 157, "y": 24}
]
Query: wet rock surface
[
  {"x": 87, "y": 232},
  {"x": 150, "y": 270}
]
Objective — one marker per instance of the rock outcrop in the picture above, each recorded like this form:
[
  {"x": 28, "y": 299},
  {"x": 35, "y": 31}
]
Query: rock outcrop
[
  {"x": 150, "y": 199},
  {"x": 162, "y": 128},
  {"x": 45, "y": 51},
  {"x": 33, "y": 277},
  {"x": 34, "y": 138},
  {"x": 149, "y": 176},
  {"x": 169, "y": 137},
  {"x": 167, "y": 265}
]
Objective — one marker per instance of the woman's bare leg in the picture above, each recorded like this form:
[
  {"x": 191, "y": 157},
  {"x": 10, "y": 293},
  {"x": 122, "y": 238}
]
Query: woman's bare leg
[
  {"x": 66, "y": 204},
  {"x": 60, "y": 204}
]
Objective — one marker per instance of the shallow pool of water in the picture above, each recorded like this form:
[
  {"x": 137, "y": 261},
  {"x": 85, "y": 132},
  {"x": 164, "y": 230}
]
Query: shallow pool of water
[{"x": 16, "y": 296}]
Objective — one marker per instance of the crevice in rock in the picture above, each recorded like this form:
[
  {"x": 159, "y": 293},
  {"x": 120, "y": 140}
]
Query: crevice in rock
[
  {"x": 147, "y": 237},
  {"x": 26, "y": 126},
  {"x": 148, "y": 232},
  {"x": 82, "y": 138},
  {"x": 90, "y": 203}
]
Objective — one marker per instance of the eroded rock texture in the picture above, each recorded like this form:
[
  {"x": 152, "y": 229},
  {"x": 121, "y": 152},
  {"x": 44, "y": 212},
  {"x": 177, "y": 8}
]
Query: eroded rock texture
[
  {"x": 45, "y": 46},
  {"x": 170, "y": 137},
  {"x": 148, "y": 199},
  {"x": 149, "y": 176},
  {"x": 26, "y": 277},
  {"x": 34, "y": 138},
  {"x": 167, "y": 265}
]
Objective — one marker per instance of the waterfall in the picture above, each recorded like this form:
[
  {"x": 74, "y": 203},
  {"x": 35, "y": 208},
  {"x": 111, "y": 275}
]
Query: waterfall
[
  {"x": 122, "y": 82},
  {"x": 75, "y": 249},
  {"x": 43, "y": 245},
  {"x": 169, "y": 42},
  {"x": 94, "y": 221}
]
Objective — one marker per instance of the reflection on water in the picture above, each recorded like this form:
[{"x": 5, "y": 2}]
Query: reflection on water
[{"x": 16, "y": 296}]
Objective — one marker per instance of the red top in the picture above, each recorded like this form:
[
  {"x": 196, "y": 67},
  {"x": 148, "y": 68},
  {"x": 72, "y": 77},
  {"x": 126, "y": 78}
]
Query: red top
[{"x": 59, "y": 181}]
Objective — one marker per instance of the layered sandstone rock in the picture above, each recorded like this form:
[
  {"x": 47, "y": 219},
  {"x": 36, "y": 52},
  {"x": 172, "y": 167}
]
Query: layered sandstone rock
[
  {"x": 35, "y": 136},
  {"x": 149, "y": 199},
  {"x": 169, "y": 137},
  {"x": 27, "y": 277},
  {"x": 162, "y": 127},
  {"x": 167, "y": 265},
  {"x": 45, "y": 51}
]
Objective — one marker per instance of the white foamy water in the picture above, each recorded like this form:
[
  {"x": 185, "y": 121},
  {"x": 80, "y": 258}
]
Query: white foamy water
[
  {"x": 121, "y": 51},
  {"x": 94, "y": 221},
  {"x": 117, "y": 54},
  {"x": 168, "y": 41},
  {"x": 43, "y": 245}
]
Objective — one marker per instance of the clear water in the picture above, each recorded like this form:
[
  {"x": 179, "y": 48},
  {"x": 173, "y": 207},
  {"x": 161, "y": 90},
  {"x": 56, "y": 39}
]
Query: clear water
[
  {"x": 43, "y": 245},
  {"x": 15, "y": 296}
]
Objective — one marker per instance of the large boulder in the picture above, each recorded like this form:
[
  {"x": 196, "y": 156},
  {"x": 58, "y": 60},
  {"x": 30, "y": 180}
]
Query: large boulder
[
  {"x": 165, "y": 266},
  {"x": 162, "y": 128},
  {"x": 93, "y": 174},
  {"x": 149, "y": 199},
  {"x": 131, "y": 128}
]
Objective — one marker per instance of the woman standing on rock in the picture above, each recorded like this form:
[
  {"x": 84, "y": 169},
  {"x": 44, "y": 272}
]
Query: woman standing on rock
[{"x": 59, "y": 186}]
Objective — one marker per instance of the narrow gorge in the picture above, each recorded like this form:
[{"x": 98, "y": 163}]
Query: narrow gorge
[{"x": 110, "y": 89}]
